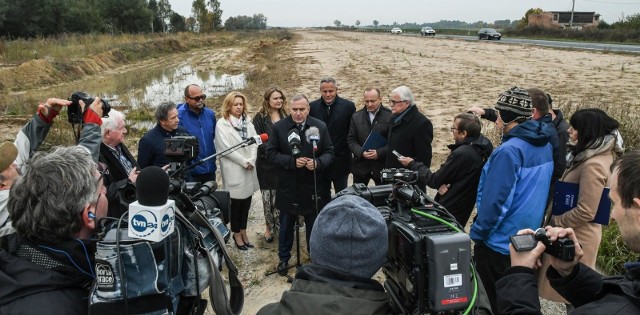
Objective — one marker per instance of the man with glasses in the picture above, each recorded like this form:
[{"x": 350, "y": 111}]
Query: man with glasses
[
  {"x": 199, "y": 121},
  {"x": 369, "y": 127},
  {"x": 410, "y": 133},
  {"x": 47, "y": 265},
  {"x": 336, "y": 113},
  {"x": 14, "y": 156},
  {"x": 123, "y": 168}
]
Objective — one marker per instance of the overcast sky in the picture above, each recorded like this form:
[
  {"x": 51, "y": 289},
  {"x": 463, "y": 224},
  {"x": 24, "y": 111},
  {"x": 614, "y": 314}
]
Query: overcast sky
[{"x": 290, "y": 13}]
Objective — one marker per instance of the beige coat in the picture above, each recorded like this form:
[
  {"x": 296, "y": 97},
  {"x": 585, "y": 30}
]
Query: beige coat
[
  {"x": 240, "y": 182},
  {"x": 592, "y": 175}
]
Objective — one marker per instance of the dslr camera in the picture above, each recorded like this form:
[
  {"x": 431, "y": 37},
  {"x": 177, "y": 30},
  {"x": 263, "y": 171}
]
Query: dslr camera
[
  {"x": 428, "y": 267},
  {"x": 562, "y": 248},
  {"x": 75, "y": 112}
]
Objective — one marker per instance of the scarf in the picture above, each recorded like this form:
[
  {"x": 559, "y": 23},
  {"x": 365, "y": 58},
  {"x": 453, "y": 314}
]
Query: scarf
[
  {"x": 611, "y": 142},
  {"x": 240, "y": 125}
]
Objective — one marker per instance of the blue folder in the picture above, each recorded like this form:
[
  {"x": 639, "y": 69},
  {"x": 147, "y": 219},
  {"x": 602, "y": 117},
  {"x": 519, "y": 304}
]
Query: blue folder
[
  {"x": 374, "y": 141},
  {"x": 565, "y": 198}
]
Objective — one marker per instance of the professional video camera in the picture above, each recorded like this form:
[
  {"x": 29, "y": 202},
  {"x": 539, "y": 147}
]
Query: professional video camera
[
  {"x": 75, "y": 112},
  {"x": 428, "y": 267}
]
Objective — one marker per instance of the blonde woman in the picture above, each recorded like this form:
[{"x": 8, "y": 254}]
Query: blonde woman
[
  {"x": 272, "y": 111},
  {"x": 238, "y": 170}
]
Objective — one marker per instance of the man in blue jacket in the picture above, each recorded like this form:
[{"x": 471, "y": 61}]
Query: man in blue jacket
[
  {"x": 200, "y": 122},
  {"x": 513, "y": 186}
]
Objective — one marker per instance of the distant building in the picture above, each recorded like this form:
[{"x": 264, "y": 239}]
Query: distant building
[{"x": 562, "y": 19}]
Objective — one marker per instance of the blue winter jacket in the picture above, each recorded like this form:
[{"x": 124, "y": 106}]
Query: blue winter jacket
[
  {"x": 203, "y": 127},
  {"x": 514, "y": 185}
]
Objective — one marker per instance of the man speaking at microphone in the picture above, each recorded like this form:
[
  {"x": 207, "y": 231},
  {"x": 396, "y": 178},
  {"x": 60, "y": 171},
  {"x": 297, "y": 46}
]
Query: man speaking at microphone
[{"x": 290, "y": 150}]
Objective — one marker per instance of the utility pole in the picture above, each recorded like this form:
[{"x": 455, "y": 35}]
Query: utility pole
[{"x": 571, "y": 21}]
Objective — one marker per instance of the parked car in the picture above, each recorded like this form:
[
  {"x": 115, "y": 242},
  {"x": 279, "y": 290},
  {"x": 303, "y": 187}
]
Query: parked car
[
  {"x": 489, "y": 34},
  {"x": 427, "y": 31},
  {"x": 396, "y": 30}
]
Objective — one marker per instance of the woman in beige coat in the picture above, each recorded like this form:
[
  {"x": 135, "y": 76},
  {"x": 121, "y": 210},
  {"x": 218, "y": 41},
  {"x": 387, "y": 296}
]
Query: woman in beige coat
[
  {"x": 237, "y": 167},
  {"x": 594, "y": 142}
]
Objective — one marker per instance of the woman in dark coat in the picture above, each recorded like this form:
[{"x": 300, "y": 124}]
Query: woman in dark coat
[{"x": 272, "y": 110}]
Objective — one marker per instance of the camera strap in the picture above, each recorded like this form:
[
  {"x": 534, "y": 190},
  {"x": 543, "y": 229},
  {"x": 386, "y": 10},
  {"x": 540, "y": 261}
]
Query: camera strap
[{"x": 221, "y": 302}]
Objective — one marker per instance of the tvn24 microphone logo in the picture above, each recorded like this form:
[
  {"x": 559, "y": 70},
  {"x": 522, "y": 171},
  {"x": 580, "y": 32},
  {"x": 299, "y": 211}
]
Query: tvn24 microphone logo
[{"x": 145, "y": 223}]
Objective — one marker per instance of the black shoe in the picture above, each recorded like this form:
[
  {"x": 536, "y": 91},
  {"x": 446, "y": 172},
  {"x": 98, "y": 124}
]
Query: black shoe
[
  {"x": 240, "y": 247},
  {"x": 249, "y": 245},
  {"x": 268, "y": 239},
  {"x": 282, "y": 267}
]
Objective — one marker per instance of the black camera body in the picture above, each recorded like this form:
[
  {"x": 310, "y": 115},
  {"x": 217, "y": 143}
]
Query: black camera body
[
  {"x": 181, "y": 148},
  {"x": 562, "y": 248},
  {"x": 74, "y": 111},
  {"x": 428, "y": 267}
]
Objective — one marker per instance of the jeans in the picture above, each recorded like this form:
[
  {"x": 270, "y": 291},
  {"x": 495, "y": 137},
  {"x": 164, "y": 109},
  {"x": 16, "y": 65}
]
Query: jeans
[{"x": 287, "y": 227}]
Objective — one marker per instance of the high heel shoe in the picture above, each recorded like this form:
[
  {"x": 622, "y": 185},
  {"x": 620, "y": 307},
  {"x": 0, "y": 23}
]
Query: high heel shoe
[
  {"x": 248, "y": 244},
  {"x": 268, "y": 239},
  {"x": 240, "y": 247}
]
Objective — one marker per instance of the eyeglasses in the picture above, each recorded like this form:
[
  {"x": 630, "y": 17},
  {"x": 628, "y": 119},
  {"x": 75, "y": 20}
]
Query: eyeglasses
[
  {"x": 198, "y": 98},
  {"x": 394, "y": 102}
]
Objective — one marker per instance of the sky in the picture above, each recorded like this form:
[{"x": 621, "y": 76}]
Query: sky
[{"x": 300, "y": 13}]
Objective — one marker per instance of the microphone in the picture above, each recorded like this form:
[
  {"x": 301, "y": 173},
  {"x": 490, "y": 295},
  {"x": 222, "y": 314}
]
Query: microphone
[
  {"x": 257, "y": 139},
  {"x": 152, "y": 216},
  {"x": 205, "y": 189},
  {"x": 313, "y": 136},
  {"x": 294, "y": 142}
]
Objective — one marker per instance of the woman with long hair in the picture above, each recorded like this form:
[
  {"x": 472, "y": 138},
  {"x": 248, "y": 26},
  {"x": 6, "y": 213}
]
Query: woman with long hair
[
  {"x": 594, "y": 142},
  {"x": 238, "y": 170},
  {"x": 272, "y": 110}
]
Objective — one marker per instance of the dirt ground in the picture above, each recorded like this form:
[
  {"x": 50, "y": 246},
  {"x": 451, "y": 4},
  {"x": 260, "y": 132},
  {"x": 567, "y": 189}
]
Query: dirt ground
[{"x": 446, "y": 76}]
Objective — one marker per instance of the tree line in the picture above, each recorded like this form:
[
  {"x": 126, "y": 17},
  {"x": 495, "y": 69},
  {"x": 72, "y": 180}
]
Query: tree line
[{"x": 42, "y": 18}]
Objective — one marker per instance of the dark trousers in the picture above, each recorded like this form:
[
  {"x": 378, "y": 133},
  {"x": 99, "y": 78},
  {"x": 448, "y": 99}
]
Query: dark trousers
[
  {"x": 287, "y": 228},
  {"x": 490, "y": 266},
  {"x": 239, "y": 214},
  {"x": 365, "y": 178}
]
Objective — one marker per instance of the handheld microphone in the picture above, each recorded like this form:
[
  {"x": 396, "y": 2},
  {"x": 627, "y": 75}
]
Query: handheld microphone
[
  {"x": 313, "y": 136},
  {"x": 294, "y": 142},
  {"x": 257, "y": 139},
  {"x": 152, "y": 216}
]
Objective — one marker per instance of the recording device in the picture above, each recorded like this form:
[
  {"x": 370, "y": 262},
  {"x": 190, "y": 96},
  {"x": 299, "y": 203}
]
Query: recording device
[
  {"x": 152, "y": 216},
  {"x": 313, "y": 137},
  {"x": 398, "y": 155},
  {"x": 75, "y": 112},
  {"x": 181, "y": 148},
  {"x": 428, "y": 267},
  {"x": 562, "y": 248},
  {"x": 294, "y": 142}
]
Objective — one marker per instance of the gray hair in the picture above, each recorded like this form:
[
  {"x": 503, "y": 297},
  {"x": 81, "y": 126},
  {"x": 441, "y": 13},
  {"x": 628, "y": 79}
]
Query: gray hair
[
  {"x": 328, "y": 80},
  {"x": 404, "y": 93},
  {"x": 298, "y": 97},
  {"x": 162, "y": 111},
  {"x": 111, "y": 122},
  {"x": 46, "y": 202}
]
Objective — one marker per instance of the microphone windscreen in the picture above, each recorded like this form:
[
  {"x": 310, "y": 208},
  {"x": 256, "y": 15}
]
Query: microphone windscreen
[
  {"x": 264, "y": 137},
  {"x": 152, "y": 186},
  {"x": 313, "y": 133}
]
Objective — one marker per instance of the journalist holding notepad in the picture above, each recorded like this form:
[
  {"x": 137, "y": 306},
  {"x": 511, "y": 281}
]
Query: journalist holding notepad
[{"x": 594, "y": 142}]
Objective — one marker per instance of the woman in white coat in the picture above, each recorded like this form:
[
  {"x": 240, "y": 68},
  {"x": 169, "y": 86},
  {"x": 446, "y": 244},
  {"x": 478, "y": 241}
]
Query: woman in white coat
[{"x": 238, "y": 170}]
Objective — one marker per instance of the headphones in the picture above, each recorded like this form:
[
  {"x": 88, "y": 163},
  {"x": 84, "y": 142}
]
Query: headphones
[{"x": 91, "y": 215}]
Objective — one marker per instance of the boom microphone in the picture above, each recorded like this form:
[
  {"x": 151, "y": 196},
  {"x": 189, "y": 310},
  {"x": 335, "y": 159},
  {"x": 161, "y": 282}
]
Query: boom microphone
[
  {"x": 152, "y": 216},
  {"x": 313, "y": 136},
  {"x": 294, "y": 142},
  {"x": 257, "y": 139}
]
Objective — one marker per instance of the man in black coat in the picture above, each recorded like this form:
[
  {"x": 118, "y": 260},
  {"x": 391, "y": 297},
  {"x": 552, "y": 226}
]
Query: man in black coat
[
  {"x": 336, "y": 113},
  {"x": 369, "y": 124},
  {"x": 123, "y": 171},
  {"x": 410, "y": 133},
  {"x": 458, "y": 177},
  {"x": 300, "y": 174}
]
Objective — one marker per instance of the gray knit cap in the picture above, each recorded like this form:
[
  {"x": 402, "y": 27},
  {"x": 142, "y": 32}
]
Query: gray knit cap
[
  {"x": 350, "y": 235},
  {"x": 514, "y": 103}
]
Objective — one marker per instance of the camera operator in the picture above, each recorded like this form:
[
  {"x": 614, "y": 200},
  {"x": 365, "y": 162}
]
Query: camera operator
[
  {"x": 123, "y": 168},
  {"x": 587, "y": 290},
  {"x": 13, "y": 156},
  {"x": 151, "y": 145},
  {"x": 348, "y": 246},
  {"x": 47, "y": 264}
]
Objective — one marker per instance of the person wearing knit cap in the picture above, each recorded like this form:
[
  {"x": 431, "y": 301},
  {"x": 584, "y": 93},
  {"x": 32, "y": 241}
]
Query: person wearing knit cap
[
  {"x": 348, "y": 246},
  {"x": 513, "y": 186},
  {"x": 13, "y": 156}
]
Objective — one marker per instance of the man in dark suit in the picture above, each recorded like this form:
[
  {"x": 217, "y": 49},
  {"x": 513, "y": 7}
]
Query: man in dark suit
[
  {"x": 295, "y": 194},
  {"x": 373, "y": 119},
  {"x": 336, "y": 113},
  {"x": 123, "y": 168},
  {"x": 410, "y": 133}
]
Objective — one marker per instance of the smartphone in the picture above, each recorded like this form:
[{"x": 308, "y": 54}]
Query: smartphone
[
  {"x": 524, "y": 242},
  {"x": 398, "y": 155}
]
